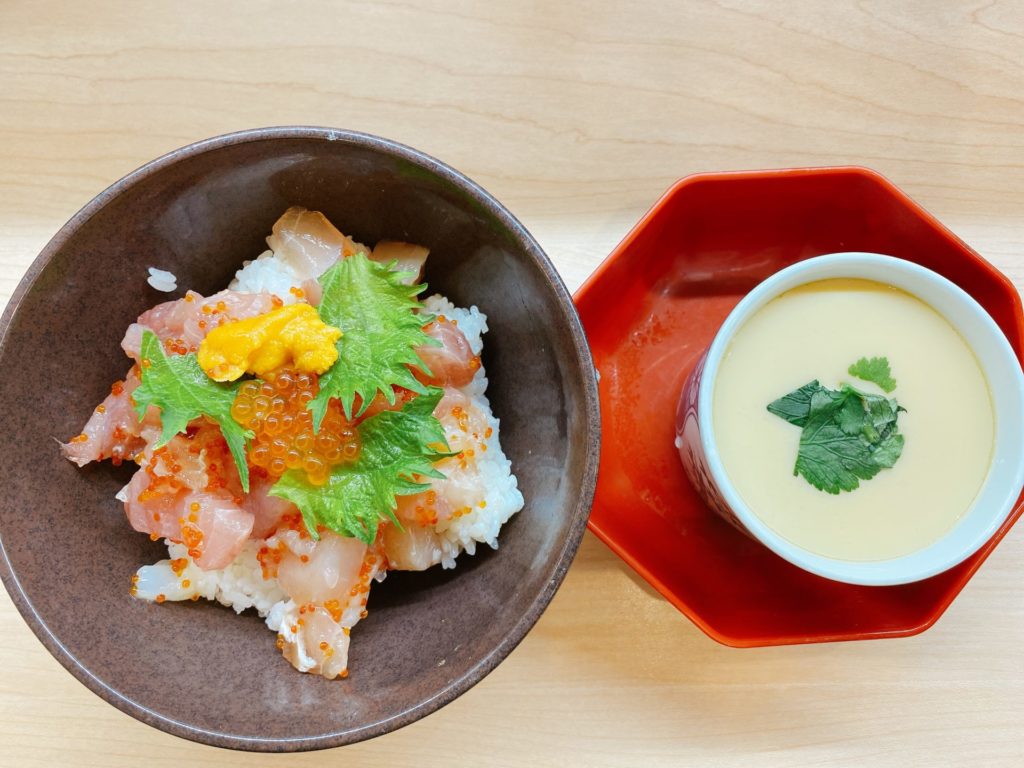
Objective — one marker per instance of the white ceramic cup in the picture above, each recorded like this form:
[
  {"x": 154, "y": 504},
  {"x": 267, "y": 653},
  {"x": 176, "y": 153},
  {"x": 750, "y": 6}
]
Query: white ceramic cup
[{"x": 698, "y": 448}]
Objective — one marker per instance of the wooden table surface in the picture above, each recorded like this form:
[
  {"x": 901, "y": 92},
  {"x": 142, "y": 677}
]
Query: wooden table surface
[{"x": 577, "y": 115}]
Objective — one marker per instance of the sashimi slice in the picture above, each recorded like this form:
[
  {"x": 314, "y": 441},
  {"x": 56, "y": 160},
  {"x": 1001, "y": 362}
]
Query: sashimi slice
[
  {"x": 113, "y": 431},
  {"x": 308, "y": 244},
  {"x": 184, "y": 323},
  {"x": 452, "y": 364},
  {"x": 407, "y": 257}
]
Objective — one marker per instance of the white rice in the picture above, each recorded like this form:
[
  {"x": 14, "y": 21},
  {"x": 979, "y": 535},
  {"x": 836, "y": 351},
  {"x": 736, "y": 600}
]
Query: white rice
[
  {"x": 162, "y": 280},
  {"x": 266, "y": 273},
  {"x": 502, "y": 497},
  {"x": 240, "y": 585}
]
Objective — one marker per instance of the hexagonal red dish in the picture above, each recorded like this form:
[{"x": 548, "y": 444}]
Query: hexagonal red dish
[{"x": 651, "y": 309}]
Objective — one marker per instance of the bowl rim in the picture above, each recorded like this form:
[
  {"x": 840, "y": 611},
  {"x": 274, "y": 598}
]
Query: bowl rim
[
  {"x": 579, "y": 513},
  {"x": 1002, "y": 484}
]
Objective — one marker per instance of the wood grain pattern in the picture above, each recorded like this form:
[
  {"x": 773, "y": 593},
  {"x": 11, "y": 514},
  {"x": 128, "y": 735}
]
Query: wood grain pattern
[{"x": 577, "y": 115}]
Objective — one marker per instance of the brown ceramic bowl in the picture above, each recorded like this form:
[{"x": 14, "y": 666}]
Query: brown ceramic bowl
[{"x": 197, "y": 670}]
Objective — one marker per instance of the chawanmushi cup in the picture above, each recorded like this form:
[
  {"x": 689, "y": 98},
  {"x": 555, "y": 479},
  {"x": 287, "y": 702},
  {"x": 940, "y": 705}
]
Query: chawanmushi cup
[{"x": 995, "y": 500}]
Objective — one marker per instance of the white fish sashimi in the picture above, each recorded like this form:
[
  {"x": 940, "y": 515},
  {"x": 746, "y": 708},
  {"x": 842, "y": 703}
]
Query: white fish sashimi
[
  {"x": 406, "y": 257},
  {"x": 328, "y": 584},
  {"x": 308, "y": 244},
  {"x": 304, "y": 245}
]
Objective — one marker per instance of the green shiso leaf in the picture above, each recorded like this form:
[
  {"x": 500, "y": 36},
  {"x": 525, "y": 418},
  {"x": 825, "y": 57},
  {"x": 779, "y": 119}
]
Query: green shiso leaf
[
  {"x": 398, "y": 451},
  {"x": 382, "y": 325},
  {"x": 180, "y": 388}
]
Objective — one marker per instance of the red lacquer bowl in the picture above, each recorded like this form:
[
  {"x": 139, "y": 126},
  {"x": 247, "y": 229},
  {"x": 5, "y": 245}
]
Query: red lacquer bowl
[{"x": 650, "y": 310}]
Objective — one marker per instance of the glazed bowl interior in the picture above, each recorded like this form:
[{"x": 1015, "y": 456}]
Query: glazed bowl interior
[
  {"x": 196, "y": 669},
  {"x": 998, "y": 494}
]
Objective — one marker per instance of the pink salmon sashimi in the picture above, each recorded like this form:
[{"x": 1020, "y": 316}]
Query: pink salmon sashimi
[
  {"x": 184, "y": 323},
  {"x": 380, "y": 403},
  {"x": 452, "y": 364},
  {"x": 215, "y": 528},
  {"x": 189, "y": 492},
  {"x": 266, "y": 509},
  {"x": 114, "y": 431}
]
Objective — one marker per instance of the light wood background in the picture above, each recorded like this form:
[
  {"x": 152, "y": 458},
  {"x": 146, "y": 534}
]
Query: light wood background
[{"x": 577, "y": 115}]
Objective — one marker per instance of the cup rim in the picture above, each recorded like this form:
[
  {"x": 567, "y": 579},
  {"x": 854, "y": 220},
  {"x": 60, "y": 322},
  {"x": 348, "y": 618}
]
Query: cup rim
[{"x": 920, "y": 564}]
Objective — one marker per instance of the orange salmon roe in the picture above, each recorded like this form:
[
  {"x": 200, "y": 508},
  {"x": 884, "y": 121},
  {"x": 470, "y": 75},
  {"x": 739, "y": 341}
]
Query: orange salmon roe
[
  {"x": 177, "y": 347},
  {"x": 333, "y": 607},
  {"x": 269, "y": 559},
  {"x": 275, "y": 410}
]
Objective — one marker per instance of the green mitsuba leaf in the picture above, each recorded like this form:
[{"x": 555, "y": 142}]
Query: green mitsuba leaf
[
  {"x": 847, "y": 436},
  {"x": 796, "y": 406},
  {"x": 876, "y": 370}
]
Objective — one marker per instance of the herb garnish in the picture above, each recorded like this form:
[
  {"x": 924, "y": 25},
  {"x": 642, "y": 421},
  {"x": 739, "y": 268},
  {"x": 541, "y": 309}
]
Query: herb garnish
[
  {"x": 382, "y": 324},
  {"x": 876, "y": 370},
  {"x": 399, "y": 449},
  {"x": 847, "y": 435},
  {"x": 182, "y": 391}
]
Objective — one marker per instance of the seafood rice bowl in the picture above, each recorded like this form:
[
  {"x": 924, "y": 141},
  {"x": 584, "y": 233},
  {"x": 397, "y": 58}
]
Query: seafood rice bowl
[{"x": 303, "y": 432}]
